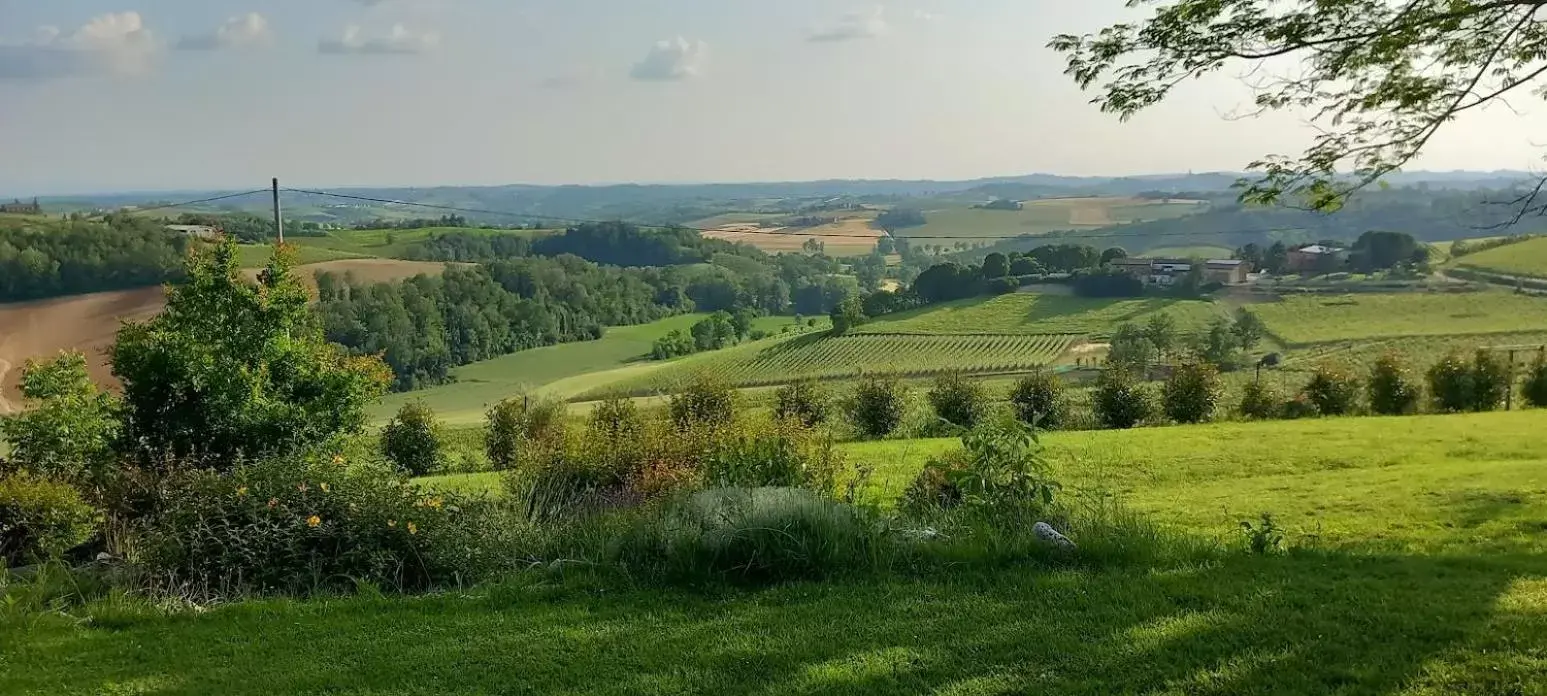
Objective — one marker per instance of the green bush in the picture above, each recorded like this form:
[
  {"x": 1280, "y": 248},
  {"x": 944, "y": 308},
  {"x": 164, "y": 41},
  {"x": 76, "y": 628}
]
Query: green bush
[
  {"x": 999, "y": 471},
  {"x": 41, "y": 519},
  {"x": 877, "y": 406},
  {"x": 804, "y": 401},
  {"x": 1121, "y": 401},
  {"x": 1334, "y": 392},
  {"x": 301, "y": 525},
  {"x": 1490, "y": 381},
  {"x": 413, "y": 440},
  {"x": 1535, "y": 388},
  {"x": 68, "y": 431},
  {"x": 616, "y": 418},
  {"x": 1038, "y": 399},
  {"x": 705, "y": 403},
  {"x": 1192, "y": 392},
  {"x": 958, "y": 400},
  {"x": 1451, "y": 386},
  {"x": 1260, "y": 401},
  {"x": 1392, "y": 390},
  {"x": 519, "y": 424},
  {"x": 782, "y": 453},
  {"x": 1299, "y": 407}
]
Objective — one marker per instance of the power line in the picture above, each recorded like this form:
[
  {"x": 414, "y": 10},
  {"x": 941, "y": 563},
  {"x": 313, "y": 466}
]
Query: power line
[
  {"x": 182, "y": 204},
  {"x": 1051, "y": 237}
]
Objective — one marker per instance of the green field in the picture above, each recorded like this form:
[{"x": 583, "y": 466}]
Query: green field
[
  {"x": 1044, "y": 216},
  {"x": 1039, "y": 313},
  {"x": 1418, "y": 569},
  {"x": 816, "y": 356},
  {"x": 1528, "y": 258},
  {"x": 562, "y": 371},
  {"x": 1189, "y": 252},
  {"x": 1304, "y": 320}
]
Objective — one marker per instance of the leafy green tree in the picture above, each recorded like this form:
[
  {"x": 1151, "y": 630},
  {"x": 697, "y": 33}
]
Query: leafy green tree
[
  {"x": 705, "y": 403},
  {"x": 413, "y": 439},
  {"x": 1192, "y": 392},
  {"x": 1380, "y": 78},
  {"x": 741, "y": 322},
  {"x": 1248, "y": 329},
  {"x": 1161, "y": 332},
  {"x": 805, "y": 401},
  {"x": 958, "y": 400},
  {"x": 1131, "y": 350},
  {"x": 1220, "y": 345},
  {"x": 232, "y": 369},
  {"x": 1260, "y": 401},
  {"x": 877, "y": 406},
  {"x": 996, "y": 265},
  {"x": 516, "y": 426},
  {"x": 1038, "y": 398},
  {"x": 1121, "y": 401},
  {"x": 848, "y": 315},
  {"x": 1377, "y": 250},
  {"x": 1112, "y": 254},
  {"x": 1332, "y": 391},
  {"x": 1450, "y": 384},
  {"x": 1490, "y": 381},
  {"x": 70, "y": 427},
  {"x": 1535, "y": 388},
  {"x": 1392, "y": 391},
  {"x": 714, "y": 332},
  {"x": 885, "y": 245}
]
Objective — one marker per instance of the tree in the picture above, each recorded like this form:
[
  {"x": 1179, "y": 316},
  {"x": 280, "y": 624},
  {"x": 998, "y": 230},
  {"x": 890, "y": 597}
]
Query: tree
[
  {"x": 1113, "y": 254},
  {"x": 413, "y": 439},
  {"x": 995, "y": 265},
  {"x": 1490, "y": 381},
  {"x": 1161, "y": 332},
  {"x": 877, "y": 406},
  {"x": 1380, "y": 77},
  {"x": 714, "y": 332},
  {"x": 1248, "y": 329},
  {"x": 958, "y": 400},
  {"x": 1535, "y": 388},
  {"x": 900, "y": 218},
  {"x": 741, "y": 322},
  {"x": 1038, "y": 400},
  {"x": 1192, "y": 392},
  {"x": 885, "y": 245},
  {"x": 517, "y": 425},
  {"x": 1130, "y": 350},
  {"x": 1375, "y": 251},
  {"x": 847, "y": 316},
  {"x": 1450, "y": 384},
  {"x": 69, "y": 430},
  {"x": 1260, "y": 401},
  {"x": 1220, "y": 345},
  {"x": 1025, "y": 266},
  {"x": 232, "y": 370},
  {"x": 805, "y": 401},
  {"x": 1392, "y": 391},
  {"x": 1276, "y": 259},
  {"x": 1121, "y": 401},
  {"x": 1334, "y": 392}
]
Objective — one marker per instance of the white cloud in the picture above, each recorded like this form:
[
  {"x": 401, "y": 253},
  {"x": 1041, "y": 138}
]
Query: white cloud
[
  {"x": 246, "y": 31},
  {"x": 671, "y": 60},
  {"x": 399, "y": 41},
  {"x": 110, "y": 44},
  {"x": 864, "y": 24}
]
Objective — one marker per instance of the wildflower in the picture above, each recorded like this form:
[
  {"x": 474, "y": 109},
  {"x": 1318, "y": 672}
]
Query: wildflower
[
  {"x": 273, "y": 502},
  {"x": 241, "y": 491},
  {"x": 433, "y": 502},
  {"x": 338, "y": 459},
  {"x": 391, "y": 523},
  {"x": 323, "y": 486},
  {"x": 413, "y": 528},
  {"x": 313, "y": 521},
  {"x": 301, "y": 487}
]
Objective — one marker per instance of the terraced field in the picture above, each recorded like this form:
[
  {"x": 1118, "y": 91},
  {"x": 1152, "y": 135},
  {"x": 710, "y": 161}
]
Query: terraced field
[
  {"x": 1039, "y": 313},
  {"x": 822, "y": 357}
]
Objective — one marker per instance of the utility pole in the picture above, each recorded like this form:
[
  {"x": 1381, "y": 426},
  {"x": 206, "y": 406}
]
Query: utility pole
[{"x": 279, "y": 222}]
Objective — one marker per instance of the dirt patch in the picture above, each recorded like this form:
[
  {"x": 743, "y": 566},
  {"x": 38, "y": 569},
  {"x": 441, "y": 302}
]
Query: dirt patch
[
  {"x": 366, "y": 270},
  {"x": 1087, "y": 348},
  {"x": 87, "y": 323}
]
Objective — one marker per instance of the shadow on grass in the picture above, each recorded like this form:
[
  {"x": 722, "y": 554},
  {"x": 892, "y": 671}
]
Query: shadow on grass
[{"x": 1303, "y": 623}]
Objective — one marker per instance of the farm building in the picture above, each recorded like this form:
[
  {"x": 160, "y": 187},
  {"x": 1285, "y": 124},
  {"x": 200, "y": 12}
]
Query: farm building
[
  {"x": 200, "y": 231},
  {"x": 1166, "y": 272},
  {"x": 17, "y": 207},
  {"x": 1317, "y": 258}
]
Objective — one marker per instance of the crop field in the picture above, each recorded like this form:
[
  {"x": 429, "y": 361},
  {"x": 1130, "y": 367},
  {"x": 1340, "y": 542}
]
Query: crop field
[
  {"x": 852, "y": 236},
  {"x": 1528, "y": 258},
  {"x": 1305, "y": 320},
  {"x": 1040, "y": 313},
  {"x": 562, "y": 371},
  {"x": 1043, "y": 216},
  {"x": 823, "y": 357},
  {"x": 88, "y": 323}
]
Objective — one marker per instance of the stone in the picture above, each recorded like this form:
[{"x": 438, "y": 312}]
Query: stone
[{"x": 1045, "y": 532}]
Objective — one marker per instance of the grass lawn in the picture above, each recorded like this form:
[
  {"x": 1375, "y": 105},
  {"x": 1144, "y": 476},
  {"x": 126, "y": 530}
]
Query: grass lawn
[
  {"x": 1039, "y": 313},
  {"x": 563, "y": 371},
  {"x": 1303, "y": 320},
  {"x": 1426, "y": 576},
  {"x": 1527, "y": 258}
]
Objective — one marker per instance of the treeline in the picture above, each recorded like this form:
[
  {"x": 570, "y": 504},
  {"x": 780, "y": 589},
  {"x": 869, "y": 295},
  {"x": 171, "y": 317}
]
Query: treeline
[
  {"x": 52, "y": 259},
  {"x": 425, "y": 326},
  {"x": 249, "y": 228}
]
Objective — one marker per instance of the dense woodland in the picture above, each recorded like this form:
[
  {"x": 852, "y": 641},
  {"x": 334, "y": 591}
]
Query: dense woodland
[{"x": 55, "y": 258}]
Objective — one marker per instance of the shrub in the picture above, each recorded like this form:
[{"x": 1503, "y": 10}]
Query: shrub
[
  {"x": 1392, "y": 391},
  {"x": 1535, "y": 388},
  {"x": 1260, "y": 401},
  {"x": 41, "y": 519},
  {"x": 1490, "y": 381},
  {"x": 1038, "y": 399},
  {"x": 803, "y": 401},
  {"x": 1264, "y": 537},
  {"x": 303, "y": 524},
  {"x": 877, "y": 406},
  {"x": 781, "y": 453},
  {"x": 957, "y": 400},
  {"x": 1192, "y": 392},
  {"x": 1121, "y": 401},
  {"x": 1334, "y": 392},
  {"x": 999, "y": 470},
  {"x": 1450, "y": 384},
  {"x": 1300, "y": 407},
  {"x": 413, "y": 440},
  {"x": 616, "y": 418},
  {"x": 521, "y": 423},
  {"x": 705, "y": 402},
  {"x": 68, "y": 431}
]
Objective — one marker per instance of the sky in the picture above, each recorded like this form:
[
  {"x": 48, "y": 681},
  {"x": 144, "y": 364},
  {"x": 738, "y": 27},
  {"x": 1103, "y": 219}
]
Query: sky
[{"x": 140, "y": 95}]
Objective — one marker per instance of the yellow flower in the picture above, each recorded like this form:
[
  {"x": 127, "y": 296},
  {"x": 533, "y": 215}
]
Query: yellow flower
[
  {"x": 241, "y": 491},
  {"x": 338, "y": 459},
  {"x": 413, "y": 528},
  {"x": 323, "y": 486},
  {"x": 313, "y": 521},
  {"x": 433, "y": 502}
]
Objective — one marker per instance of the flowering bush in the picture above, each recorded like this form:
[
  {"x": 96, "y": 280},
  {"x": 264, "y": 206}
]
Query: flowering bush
[{"x": 301, "y": 525}]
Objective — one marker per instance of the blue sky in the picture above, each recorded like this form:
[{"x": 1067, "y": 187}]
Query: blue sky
[{"x": 102, "y": 95}]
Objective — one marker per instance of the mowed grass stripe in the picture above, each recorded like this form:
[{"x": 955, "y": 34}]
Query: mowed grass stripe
[{"x": 826, "y": 357}]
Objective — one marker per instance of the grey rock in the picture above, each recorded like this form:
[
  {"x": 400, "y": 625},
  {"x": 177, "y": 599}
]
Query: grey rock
[{"x": 1045, "y": 532}]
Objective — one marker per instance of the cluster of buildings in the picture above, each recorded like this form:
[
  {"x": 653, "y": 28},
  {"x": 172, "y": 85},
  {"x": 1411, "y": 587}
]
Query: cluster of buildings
[
  {"x": 17, "y": 207},
  {"x": 1315, "y": 258}
]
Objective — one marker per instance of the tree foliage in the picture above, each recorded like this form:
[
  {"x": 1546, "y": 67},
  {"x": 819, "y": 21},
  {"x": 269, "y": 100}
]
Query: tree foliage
[
  {"x": 1378, "y": 78},
  {"x": 877, "y": 406},
  {"x": 1392, "y": 390},
  {"x": 51, "y": 259},
  {"x": 1332, "y": 391},
  {"x": 1192, "y": 392},
  {"x": 1121, "y": 400},
  {"x": 70, "y": 428},
  {"x": 231, "y": 369},
  {"x": 1038, "y": 399},
  {"x": 958, "y": 400},
  {"x": 413, "y": 439}
]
